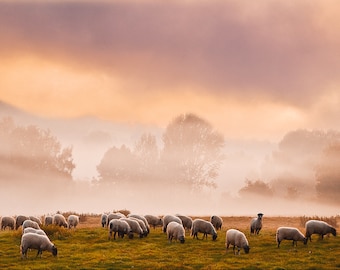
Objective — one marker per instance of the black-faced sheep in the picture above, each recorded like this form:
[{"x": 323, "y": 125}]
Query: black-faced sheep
[
  {"x": 134, "y": 225},
  {"x": 112, "y": 216},
  {"x": 103, "y": 220},
  {"x": 30, "y": 223},
  {"x": 186, "y": 221},
  {"x": 32, "y": 230},
  {"x": 256, "y": 224},
  {"x": 176, "y": 231},
  {"x": 19, "y": 220},
  {"x": 318, "y": 227},
  {"x": 36, "y": 241},
  {"x": 168, "y": 218},
  {"x": 142, "y": 225},
  {"x": 141, "y": 218},
  {"x": 289, "y": 233},
  {"x": 7, "y": 221},
  {"x": 35, "y": 219},
  {"x": 60, "y": 220},
  {"x": 154, "y": 221},
  {"x": 121, "y": 227},
  {"x": 237, "y": 239},
  {"x": 73, "y": 221},
  {"x": 203, "y": 226},
  {"x": 216, "y": 222},
  {"x": 48, "y": 220}
]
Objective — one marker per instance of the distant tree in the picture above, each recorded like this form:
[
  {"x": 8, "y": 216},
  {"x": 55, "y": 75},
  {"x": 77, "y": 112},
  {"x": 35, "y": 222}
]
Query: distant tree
[
  {"x": 328, "y": 175},
  {"x": 192, "y": 152},
  {"x": 29, "y": 149},
  {"x": 118, "y": 166},
  {"x": 258, "y": 188}
]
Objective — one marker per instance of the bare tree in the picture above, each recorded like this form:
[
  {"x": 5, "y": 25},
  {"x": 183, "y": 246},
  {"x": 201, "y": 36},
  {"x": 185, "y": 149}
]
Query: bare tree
[{"x": 192, "y": 152}]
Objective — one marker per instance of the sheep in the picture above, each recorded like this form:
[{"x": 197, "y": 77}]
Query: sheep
[
  {"x": 112, "y": 216},
  {"x": 203, "y": 226},
  {"x": 186, "y": 221},
  {"x": 256, "y": 224},
  {"x": 104, "y": 220},
  {"x": 36, "y": 241},
  {"x": 30, "y": 223},
  {"x": 32, "y": 230},
  {"x": 135, "y": 227},
  {"x": 154, "y": 221},
  {"x": 237, "y": 239},
  {"x": 48, "y": 220},
  {"x": 19, "y": 220},
  {"x": 175, "y": 230},
  {"x": 73, "y": 221},
  {"x": 142, "y": 225},
  {"x": 141, "y": 218},
  {"x": 121, "y": 227},
  {"x": 7, "y": 222},
  {"x": 168, "y": 218},
  {"x": 216, "y": 222},
  {"x": 36, "y": 219},
  {"x": 59, "y": 220},
  {"x": 318, "y": 227},
  {"x": 289, "y": 233}
]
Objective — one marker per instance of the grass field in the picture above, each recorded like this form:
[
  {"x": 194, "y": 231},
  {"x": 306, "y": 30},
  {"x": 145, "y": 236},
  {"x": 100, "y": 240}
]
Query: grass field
[{"x": 88, "y": 247}]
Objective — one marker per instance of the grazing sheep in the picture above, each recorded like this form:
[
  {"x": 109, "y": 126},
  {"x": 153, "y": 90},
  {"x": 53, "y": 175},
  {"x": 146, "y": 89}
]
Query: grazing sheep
[
  {"x": 142, "y": 225},
  {"x": 36, "y": 219},
  {"x": 289, "y": 233},
  {"x": 237, "y": 239},
  {"x": 256, "y": 224},
  {"x": 154, "y": 220},
  {"x": 203, "y": 226},
  {"x": 104, "y": 220},
  {"x": 112, "y": 216},
  {"x": 30, "y": 223},
  {"x": 60, "y": 220},
  {"x": 168, "y": 218},
  {"x": 175, "y": 230},
  {"x": 19, "y": 220},
  {"x": 186, "y": 221},
  {"x": 36, "y": 241},
  {"x": 216, "y": 222},
  {"x": 48, "y": 220},
  {"x": 32, "y": 230},
  {"x": 73, "y": 221},
  {"x": 141, "y": 218},
  {"x": 318, "y": 227},
  {"x": 121, "y": 227},
  {"x": 7, "y": 222},
  {"x": 135, "y": 227}
]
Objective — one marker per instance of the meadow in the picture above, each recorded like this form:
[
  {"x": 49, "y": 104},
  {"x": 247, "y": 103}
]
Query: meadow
[{"x": 88, "y": 247}]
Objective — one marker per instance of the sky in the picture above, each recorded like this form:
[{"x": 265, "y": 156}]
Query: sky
[{"x": 253, "y": 69}]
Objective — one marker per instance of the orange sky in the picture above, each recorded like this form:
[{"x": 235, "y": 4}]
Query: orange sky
[{"x": 253, "y": 71}]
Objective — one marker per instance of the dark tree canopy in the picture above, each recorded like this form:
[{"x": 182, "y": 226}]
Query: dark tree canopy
[
  {"x": 258, "y": 188},
  {"x": 192, "y": 152}
]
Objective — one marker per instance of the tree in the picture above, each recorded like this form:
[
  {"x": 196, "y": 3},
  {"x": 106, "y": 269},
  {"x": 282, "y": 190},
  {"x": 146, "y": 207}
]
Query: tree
[
  {"x": 192, "y": 152},
  {"x": 328, "y": 175},
  {"x": 31, "y": 150},
  {"x": 258, "y": 188}
]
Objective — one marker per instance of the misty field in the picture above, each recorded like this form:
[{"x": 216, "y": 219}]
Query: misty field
[{"x": 88, "y": 247}]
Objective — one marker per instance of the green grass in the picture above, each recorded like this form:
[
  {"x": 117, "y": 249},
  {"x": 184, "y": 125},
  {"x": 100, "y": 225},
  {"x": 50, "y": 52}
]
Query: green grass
[{"x": 89, "y": 248}]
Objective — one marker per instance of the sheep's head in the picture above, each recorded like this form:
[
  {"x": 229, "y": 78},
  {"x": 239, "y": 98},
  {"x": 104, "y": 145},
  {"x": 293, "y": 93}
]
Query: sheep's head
[
  {"x": 54, "y": 251},
  {"x": 181, "y": 239},
  {"x": 214, "y": 236},
  {"x": 305, "y": 240},
  {"x": 333, "y": 231},
  {"x": 246, "y": 249},
  {"x": 259, "y": 215}
]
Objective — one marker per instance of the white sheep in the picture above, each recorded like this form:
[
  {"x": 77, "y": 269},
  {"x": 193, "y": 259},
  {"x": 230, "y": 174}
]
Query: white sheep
[
  {"x": 19, "y": 220},
  {"x": 30, "y": 223},
  {"x": 142, "y": 225},
  {"x": 48, "y": 220},
  {"x": 256, "y": 224},
  {"x": 121, "y": 227},
  {"x": 186, "y": 221},
  {"x": 135, "y": 227},
  {"x": 318, "y": 227},
  {"x": 7, "y": 221},
  {"x": 175, "y": 230},
  {"x": 203, "y": 226},
  {"x": 168, "y": 218},
  {"x": 141, "y": 218},
  {"x": 32, "y": 230},
  {"x": 289, "y": 233},
  {"x": 154, "y": 220},
  {"x": 112, "y": 216},
  {"x": 217, "y": 222},
  {"x": 237, "y": 239},
  {"x": 73, "y": 221},
  {"x": 103, "y": 220},
  {"x": 36, "y": 219},
  {"x": 60, "y": 220},
  {"x": 36, "y": 241}
]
